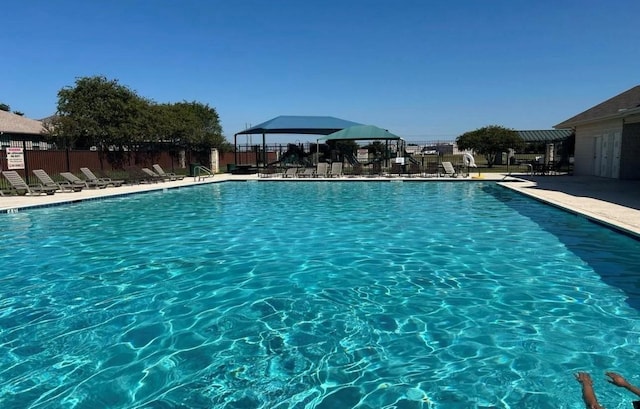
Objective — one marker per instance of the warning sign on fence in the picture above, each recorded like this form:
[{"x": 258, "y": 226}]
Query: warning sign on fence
[{"x": 15, "y": 158}]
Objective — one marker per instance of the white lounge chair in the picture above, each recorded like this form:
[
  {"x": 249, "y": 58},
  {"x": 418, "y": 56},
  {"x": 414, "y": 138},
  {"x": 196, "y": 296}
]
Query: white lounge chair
[
  {"x": 21, "y": 188},
  {"x": 290, "y": 173},
  {"x": 307, "y": 173},
  {"x": 336, "y": 169},
  {"x": 449, "y": 170},
  {"x": 322, "y": 170}
]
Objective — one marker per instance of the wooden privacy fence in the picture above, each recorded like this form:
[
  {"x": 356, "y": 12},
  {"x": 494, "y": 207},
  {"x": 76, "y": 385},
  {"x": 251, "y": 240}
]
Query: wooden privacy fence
[{"x": 56, "y": 161}]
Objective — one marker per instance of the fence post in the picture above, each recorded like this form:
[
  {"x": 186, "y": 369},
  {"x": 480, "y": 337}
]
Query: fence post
[
  {"x": 68, "y": 159},
  {"x": 26, "y": 161}
]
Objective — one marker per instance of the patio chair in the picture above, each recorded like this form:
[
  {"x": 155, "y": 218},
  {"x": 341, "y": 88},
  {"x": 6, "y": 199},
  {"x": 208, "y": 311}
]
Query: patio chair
[
  {"x": 74, "y": 180},
  {"x": 134, "y": 175},
  {"x": 64, "y": 186},
  {"x": 290, "y": 173},
  {"x": 172, "y": 176},
  {"x": 269, "y": 172},
  {"x": 307, "y": 173},
  {"x": 322, "y": 170},
  {"x": 449, "y": 170},
  {"x": 90, "y": 177},
  {"x": 21, "y": 188},
  {"x": 336, "y": 170},
  {"x": 153, "y": 176}
]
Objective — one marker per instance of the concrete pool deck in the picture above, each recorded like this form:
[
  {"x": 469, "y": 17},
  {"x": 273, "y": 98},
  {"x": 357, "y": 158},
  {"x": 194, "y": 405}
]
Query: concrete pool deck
[
  {"x": 609, "y": 201},
  {"x": 615, "y": 203}
]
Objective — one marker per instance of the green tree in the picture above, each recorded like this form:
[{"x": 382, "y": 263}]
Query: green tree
[
  {"x": 99, "y": 112},
  {"x": 490, "y": 141},
  {"x": 102, "y": 113},
  {"x": 196, "y": 126},
  {"x": 5, "y": 107},
  {"x": 377, "y": 148}
]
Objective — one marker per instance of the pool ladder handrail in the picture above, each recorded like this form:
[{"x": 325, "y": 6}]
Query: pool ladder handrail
[{"x": 201, "y": 173}]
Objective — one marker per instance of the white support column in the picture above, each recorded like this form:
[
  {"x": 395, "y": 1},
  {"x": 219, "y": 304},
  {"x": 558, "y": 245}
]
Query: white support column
[{"x": 215, "y": 161}]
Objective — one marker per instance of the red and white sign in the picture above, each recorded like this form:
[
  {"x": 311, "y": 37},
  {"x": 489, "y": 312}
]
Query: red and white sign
[{"x": 15, "y": 158}]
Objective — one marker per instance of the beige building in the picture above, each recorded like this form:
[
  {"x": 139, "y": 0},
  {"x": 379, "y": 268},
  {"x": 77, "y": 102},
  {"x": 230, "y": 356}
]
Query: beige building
[
  {"x": 608, "y": 137},
  {"x": 20, "y": 132}
]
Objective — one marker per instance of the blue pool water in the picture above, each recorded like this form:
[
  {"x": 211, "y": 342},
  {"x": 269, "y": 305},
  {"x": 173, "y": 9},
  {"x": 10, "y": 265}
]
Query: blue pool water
[{"x": 314, "y": 295}]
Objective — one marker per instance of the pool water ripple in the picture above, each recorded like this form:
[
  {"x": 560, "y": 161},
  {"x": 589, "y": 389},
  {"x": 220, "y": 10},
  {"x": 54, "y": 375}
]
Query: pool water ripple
[{"x": 314, "y": 295}]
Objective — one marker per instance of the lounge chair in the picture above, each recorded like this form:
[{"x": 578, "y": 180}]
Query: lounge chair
[
  {"x": 153, "y": 176},
  {"x": 74, "y": 180},
  {"x": 21, "y": 188},
  {"x": 90, "y": 177},
  {"x": 268, "y": 172},
  {"x": 172, "y": 176},
  {"x": 290, "y": 173},
  {"x": 307, "y": 173},
  {"x": 64, "y": 186},
  {"x": 322, "y": 170},
  {"x": 136, "y": 176},
  {"x": 336, "y": 170},
  {"x": 449, "y": 170}
]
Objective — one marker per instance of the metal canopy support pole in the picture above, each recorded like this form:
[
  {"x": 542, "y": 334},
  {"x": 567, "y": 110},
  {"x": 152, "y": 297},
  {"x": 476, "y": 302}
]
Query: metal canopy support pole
[
  {"x": 26, "y": 161},
  {"x": 235, "y": 149},
  {"x": 264, "y": 151},
  {"x": 386, "y": 154}
]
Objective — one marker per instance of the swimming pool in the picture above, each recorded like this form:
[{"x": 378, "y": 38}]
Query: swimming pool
[{"x": 314, "y": 295}]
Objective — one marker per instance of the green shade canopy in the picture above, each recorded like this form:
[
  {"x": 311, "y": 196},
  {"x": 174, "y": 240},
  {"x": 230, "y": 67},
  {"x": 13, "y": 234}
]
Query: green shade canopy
[
  {"x": 547, "y": 135},
  {"x": 288, "y": 124},
  {"x": 360, "y": 132}
]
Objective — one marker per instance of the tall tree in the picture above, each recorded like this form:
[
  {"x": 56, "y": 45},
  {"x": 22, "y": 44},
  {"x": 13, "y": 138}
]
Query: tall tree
[
  {"x": 490, "y": 141},
  {"x": 196, "y": 125},
  {"x": 99, "y": 112}
]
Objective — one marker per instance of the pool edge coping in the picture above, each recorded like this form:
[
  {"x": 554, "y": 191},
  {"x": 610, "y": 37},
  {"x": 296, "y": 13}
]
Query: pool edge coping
[
  {"x": 619, "y": 227},
  {"x": 513, "y": 183}
]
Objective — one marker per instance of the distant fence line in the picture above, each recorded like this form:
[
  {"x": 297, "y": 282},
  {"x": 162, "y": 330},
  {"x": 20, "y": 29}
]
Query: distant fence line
[
  {"x": 67, "y": 160},
  {"x": 61, "y": 160},
  {"x": 308, "y": 146}
]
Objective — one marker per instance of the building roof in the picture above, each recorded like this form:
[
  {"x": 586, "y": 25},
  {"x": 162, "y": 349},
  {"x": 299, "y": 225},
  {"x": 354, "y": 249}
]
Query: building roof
[
  {"x": 314, "y": 125},
  {"x": 11, "y": 123},
  {"x": 545, "y": 135},
  {"x": 621, "y": 105}
]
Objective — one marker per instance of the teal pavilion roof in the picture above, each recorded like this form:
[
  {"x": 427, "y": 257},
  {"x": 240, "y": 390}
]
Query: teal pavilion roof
[
  {"x": 361, "y": 132},
  {"x": 313, "y": 125}
]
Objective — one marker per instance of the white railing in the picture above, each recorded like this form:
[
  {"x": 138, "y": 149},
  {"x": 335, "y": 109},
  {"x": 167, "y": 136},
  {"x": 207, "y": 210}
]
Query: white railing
[{"x": 201, "y": 173}]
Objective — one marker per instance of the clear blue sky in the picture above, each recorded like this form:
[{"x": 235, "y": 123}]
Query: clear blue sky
[{"x": 423, "y": 69}]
